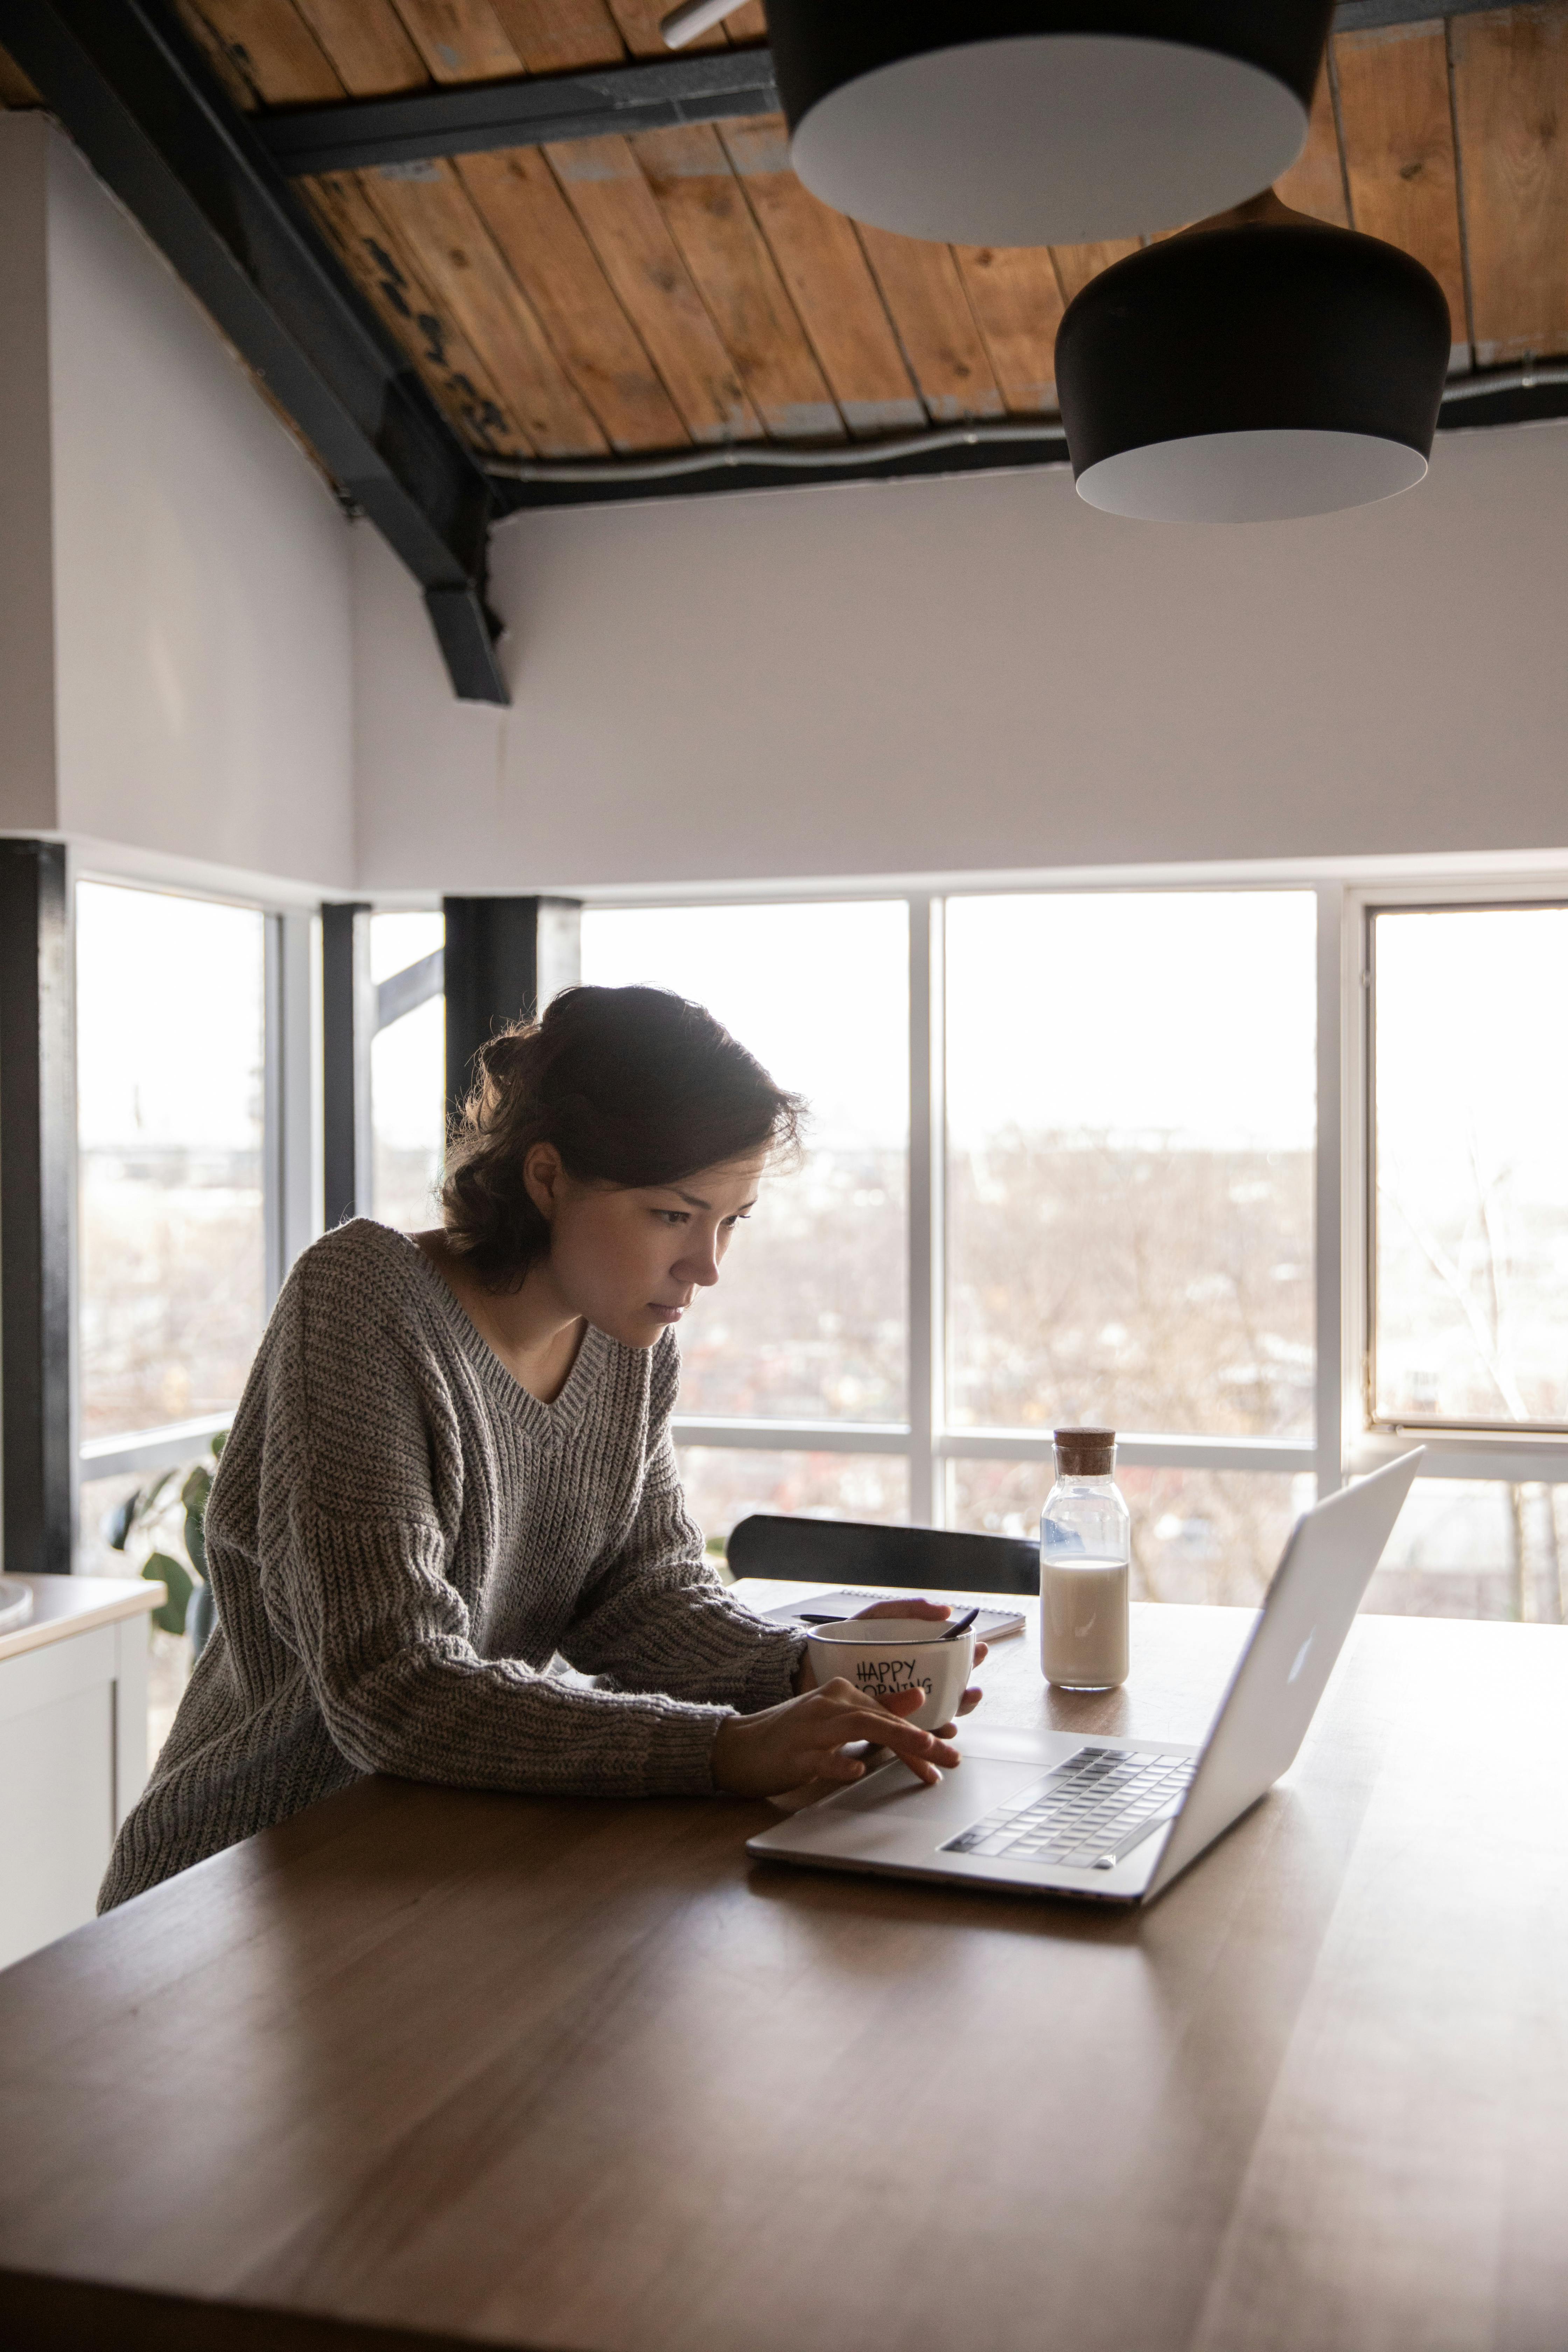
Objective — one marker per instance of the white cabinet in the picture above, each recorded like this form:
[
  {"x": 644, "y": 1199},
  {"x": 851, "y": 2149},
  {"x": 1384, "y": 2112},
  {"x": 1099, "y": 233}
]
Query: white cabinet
[{"x": 73, "y": 1748}]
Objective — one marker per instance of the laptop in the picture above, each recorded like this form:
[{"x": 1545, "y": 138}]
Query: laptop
[{"x": 1115, "y": 1821}]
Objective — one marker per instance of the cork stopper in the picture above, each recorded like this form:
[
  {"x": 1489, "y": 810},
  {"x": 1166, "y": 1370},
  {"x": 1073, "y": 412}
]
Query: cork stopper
[{"x": 1085, "y": 1453}]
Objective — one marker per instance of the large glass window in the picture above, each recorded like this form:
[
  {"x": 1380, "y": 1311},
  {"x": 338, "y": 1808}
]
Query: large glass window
[
  {"x": 809, "y": 1320},
  {"x": 172, "y": 1230},
  {"x": 1469, "y": 1212},
  {"x": 724, "y": 1484},
  {"x": 1130, "y": 1095},
  {"x": 408, "y": 1073}
]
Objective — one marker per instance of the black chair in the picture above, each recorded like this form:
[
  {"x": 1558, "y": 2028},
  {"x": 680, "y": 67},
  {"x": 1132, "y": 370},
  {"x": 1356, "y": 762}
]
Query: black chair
[{"x": 854, "y": 1552}]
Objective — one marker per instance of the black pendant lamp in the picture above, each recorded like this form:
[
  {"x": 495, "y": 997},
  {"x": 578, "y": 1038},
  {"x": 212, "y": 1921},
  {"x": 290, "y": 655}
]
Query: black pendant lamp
[
  {"x": 1255, "y": 368},
  {"x": 1043, "y": 121}
]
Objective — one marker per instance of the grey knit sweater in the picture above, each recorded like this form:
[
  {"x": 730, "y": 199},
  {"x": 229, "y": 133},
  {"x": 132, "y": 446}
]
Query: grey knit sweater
[{"x": 400, "y": 1538}]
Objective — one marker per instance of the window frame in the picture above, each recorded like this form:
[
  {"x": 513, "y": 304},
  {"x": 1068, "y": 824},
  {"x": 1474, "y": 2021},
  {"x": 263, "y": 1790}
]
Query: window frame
[
  {"x": 925, "y": 1439},
  {"x": 1455, "y": 1449},
  {"x": 1346, "y": 1442},
  {"x": 291, "y": 1145}
]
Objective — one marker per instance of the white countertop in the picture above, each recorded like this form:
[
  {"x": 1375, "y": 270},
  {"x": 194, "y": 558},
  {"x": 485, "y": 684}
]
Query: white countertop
[{"x": 64, "y": 1605}]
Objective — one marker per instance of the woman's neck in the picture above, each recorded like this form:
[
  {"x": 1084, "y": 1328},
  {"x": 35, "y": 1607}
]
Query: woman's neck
[{"x": 532, "y": 1330}]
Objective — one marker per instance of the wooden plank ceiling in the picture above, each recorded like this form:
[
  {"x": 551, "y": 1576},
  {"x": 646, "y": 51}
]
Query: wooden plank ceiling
[{"x": 680, "y": 289}]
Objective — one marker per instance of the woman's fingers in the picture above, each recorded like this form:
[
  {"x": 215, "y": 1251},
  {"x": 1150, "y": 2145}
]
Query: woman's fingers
[{"x": 923, "y": 1751}]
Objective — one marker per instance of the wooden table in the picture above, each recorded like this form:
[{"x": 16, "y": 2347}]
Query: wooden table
[{"x": 512, "y": 2072}]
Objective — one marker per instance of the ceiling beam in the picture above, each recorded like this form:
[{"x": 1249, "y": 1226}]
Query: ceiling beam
[
  {"x": 367, "y": 133},
  {"x": 376, "y": 133},
  {"x": 143, "y": 107}
]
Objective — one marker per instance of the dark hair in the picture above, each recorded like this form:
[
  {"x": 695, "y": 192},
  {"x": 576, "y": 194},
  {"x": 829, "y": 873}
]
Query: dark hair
[{"x": 632, "y": 1085}]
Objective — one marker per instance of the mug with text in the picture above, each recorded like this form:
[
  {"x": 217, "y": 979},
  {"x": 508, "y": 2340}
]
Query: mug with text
[{"x": 881, "y": 1656}]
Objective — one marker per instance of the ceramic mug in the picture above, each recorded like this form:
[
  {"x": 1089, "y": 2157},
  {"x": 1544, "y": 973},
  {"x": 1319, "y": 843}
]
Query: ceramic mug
[{"x": 883, "y": 1656}]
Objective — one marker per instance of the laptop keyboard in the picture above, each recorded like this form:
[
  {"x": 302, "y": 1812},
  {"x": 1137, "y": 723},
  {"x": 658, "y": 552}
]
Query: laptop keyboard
[{"x": 1087, "y": 1813}]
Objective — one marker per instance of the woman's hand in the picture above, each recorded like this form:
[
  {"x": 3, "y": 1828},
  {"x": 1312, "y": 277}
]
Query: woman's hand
[
  {"x": 808, "y": 1739},
  {"x": 805, "y": 1680}
]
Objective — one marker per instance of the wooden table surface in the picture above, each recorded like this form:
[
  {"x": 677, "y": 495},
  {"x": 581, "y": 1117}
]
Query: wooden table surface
[{"x": 575, "y": 2075}]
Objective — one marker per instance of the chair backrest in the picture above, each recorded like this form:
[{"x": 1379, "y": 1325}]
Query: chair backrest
[{"x": 853, "y": 1551}]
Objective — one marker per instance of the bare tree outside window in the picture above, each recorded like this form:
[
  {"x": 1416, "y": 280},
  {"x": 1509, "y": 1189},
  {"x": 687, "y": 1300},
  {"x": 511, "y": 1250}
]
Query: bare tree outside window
[
  {"x": 172, "y": 1256},
  {"x": 1470, "y": 1207}
]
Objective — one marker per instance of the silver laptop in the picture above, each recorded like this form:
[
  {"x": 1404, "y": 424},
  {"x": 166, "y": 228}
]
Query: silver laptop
[{"x": 1115, "y": 1821}]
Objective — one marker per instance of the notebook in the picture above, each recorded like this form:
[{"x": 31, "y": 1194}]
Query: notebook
[{"x": 828, "y": 1607}]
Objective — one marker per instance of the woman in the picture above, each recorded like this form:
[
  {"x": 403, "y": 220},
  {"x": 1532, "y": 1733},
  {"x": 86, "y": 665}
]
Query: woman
[{"x": 452, "y": 1461}]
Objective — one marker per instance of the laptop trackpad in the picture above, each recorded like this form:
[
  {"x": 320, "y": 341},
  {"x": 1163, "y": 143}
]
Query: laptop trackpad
[{"x": 915, "y": 1814}]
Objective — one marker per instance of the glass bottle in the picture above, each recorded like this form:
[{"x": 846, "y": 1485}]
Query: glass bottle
[{"x": 1086, "y": 1546}]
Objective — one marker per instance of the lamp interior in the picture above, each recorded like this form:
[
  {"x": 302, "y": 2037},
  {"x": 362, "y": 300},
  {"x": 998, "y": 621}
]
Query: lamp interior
[
  {"x": 1047, "y": 138},
  {"x": 1273, "y": 475}
]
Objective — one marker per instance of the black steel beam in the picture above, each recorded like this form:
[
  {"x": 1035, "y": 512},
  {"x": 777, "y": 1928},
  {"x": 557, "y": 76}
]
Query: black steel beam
[
  {"x": 717, "y": 85},
  {"x": 467, "y": 121},
  {"x": 348, "y": 1024},
  {"x": 38, "y": 1163},
  {"x": 505, "y": 958},
  {"x": 142, "y": 104}
]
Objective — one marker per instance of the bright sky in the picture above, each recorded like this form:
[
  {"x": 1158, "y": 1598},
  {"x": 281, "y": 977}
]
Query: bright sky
[
  {"x": 1469, "y": 1005},
  {"x": 1186, "y": 1014},
  {"x": 168, "y": 1020},
  {"x": 1190, "y": 1013},
  {"x": 819, "y": 993}
]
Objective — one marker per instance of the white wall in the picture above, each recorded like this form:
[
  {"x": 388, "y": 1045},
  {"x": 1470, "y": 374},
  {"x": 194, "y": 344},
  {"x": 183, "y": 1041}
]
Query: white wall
[
  {"x": 26, "y": 617},
  {"x": 196, "y": 565},
  {"x": 981, "y": 674}
]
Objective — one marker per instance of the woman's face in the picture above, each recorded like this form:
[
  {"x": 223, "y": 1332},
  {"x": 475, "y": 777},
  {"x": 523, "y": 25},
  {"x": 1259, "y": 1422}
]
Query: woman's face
[{"x": 632, "y": 1260}]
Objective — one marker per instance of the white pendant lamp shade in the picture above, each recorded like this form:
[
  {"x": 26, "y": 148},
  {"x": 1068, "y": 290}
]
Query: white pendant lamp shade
[
  {"x": 1267, "y": 474},
  {"x": 1253, "y": 370},
  {"x": 1003, "y": 122}
]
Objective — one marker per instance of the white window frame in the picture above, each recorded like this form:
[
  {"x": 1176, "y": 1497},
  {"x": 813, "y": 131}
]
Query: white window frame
[
  {"x": 1524, "y": 1459},
  {"x": 291, "y": 1143},
  {"x": 1344, "y": 1444},
  {"x": 926, "y": 1440}
]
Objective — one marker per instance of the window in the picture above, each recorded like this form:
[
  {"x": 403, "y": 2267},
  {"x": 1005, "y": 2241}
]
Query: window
[
  {"x": 1130, "y": 1097},
  {"x": 809, "y": 1323},
  {"x": 1469, "y": 1161},
  {"x": 1268, "y": 1179},
  {"x": 408, "y": 1069},
  {"x": 1103, "y": 1191},
  {"x": 724, "y": 1484},
  {"x": 172, "y": 1234}
]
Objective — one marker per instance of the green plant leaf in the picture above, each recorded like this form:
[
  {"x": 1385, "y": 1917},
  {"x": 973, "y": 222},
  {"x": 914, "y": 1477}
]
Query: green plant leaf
[
  {"x": 198, "y": 1488},
  {"x": 196, "y": 1542},
  {"x": 118, "y": 1522},
  {"x": 162, "y": 1567},
  {"x": 150, "y": 1500},
  {"x": 219, "y": 1442}
]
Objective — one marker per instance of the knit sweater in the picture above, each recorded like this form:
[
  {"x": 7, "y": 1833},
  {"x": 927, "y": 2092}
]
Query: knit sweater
[{"x": 400, "y": 1539}]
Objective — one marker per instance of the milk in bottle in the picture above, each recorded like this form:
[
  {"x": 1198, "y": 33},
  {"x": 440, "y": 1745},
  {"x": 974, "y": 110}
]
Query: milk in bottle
[{"x": 1085, "y": 1549}]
